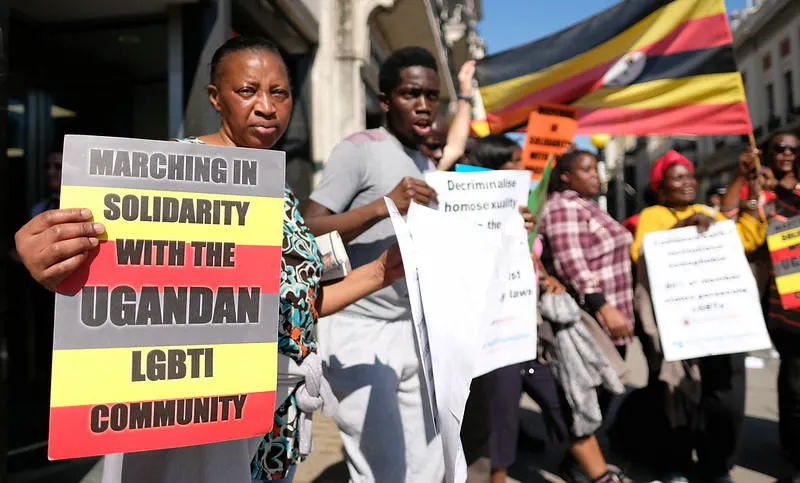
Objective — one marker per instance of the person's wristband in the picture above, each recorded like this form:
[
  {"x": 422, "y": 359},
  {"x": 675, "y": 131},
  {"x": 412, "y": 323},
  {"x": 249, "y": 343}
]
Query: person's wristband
[
  {"x": 594, "y": 301},
  {"x": 750, "y": 204},
  {"x": 729, "y": 212},
  {"x": 465, "y": 98}
]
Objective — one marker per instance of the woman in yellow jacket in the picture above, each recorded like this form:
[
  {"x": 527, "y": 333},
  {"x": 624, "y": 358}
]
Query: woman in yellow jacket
[
  {"x": 716, "y": 435},
  {"x": 673, "y": 180}
]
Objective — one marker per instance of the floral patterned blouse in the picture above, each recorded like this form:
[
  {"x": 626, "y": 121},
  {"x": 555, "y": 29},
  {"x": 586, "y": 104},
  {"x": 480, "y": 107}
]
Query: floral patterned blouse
[{"x": 301, "y": 269}]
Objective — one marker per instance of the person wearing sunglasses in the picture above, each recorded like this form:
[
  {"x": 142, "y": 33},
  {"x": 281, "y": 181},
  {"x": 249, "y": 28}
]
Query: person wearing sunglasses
[
  {"x": 782, "y": 156},
  {"x": 781, "y": 152}
]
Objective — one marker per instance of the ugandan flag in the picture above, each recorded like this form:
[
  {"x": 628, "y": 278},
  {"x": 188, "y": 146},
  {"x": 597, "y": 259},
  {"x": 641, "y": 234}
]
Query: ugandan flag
[{"x": 641, "y": 67}]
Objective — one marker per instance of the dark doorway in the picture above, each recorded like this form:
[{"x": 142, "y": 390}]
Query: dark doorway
[{"x": 105, "y": 78}]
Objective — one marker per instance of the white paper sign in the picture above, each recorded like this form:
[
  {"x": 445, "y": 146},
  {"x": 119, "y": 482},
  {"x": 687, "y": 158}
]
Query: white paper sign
[
  {"x": 457, "y": 264},
  {"x": 482, "y": 196},
  {"x": 406, "y": 245},
  {"x": 491, "y": 199},
  {"x": 511, "y": 333},
  {"x": 704, "y": 294}
]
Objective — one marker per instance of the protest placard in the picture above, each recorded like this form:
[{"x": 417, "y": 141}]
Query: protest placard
[
  {"x": 406, "y": 245},
  {"x": 704, "y": 294},
  {"x": 783, "y": 241},
  {"x": 167, "y": 335},
  {"x": 491, "y": 199},
  {"x": 457, "y": 265},
  {"x": 482, "y": 196},
  {"x": 551, "y": 129}
]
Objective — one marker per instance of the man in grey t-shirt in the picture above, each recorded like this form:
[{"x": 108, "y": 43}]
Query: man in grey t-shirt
[{"x": 369, "y": 346}]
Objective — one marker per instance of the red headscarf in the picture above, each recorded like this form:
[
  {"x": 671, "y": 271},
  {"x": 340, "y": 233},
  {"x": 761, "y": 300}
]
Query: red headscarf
[{"x": 663, "y": 163}]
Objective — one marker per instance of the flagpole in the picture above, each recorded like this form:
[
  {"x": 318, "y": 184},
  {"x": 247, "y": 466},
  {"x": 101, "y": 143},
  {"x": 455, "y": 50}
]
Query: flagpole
[{"x": 755, "y": 147}]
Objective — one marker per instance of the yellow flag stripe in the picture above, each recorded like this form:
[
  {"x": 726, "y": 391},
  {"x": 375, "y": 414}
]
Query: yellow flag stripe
[
  {"x": 650, "y": 29},
  {"x": 263, "y": 220},
  {"x": 701, "y": 89},
  {"x": 94, "y": 376}
]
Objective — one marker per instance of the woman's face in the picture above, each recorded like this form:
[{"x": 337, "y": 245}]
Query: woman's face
[
  {"x": 583, "y": 176},
  {"x": 784, "y": 151},
  {"x": 515, "y": 162},
  {"x": 679, "y": 187},
  {"x": 253, "y": 96}
]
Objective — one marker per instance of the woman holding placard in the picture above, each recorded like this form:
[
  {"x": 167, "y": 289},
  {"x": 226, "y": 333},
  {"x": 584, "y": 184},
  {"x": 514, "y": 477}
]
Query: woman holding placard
[
  {"x": 712, "y": 424},
  {"x": 250, "y": 88}
]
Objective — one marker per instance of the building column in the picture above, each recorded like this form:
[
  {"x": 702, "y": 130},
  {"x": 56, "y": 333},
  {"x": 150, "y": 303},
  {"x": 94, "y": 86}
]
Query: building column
[
  {"x": 338, "y": 104},
  {"x": 175, "y": 71},
  {"x": 794, "y": 55}
]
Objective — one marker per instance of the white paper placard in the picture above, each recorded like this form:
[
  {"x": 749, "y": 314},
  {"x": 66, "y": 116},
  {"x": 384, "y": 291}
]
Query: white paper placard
[
  {"x": 704, "y": 294},
  {"x": 491, "y": 199}
]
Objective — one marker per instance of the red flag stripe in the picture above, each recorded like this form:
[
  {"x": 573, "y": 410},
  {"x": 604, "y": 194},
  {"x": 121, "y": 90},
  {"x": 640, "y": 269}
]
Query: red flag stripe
[
  {"x": 255, "y": 266},
  {"x": 621, "y": 121},
  {"x": 700, "y": 33},
  {"x": 692, "y": 119}
]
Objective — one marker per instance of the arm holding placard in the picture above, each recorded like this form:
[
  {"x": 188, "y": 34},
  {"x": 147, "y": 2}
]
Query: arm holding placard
[
  {"x": 53, "y": 244},
  {"x": 658, "y": 218},
  {"x": 752, "y": 231},
  {"x": 342, "y": 180},
  {"x": 528, "y": 218},
  {"x": 361, "y": 282},
  {"x": 322, "y": 219}
]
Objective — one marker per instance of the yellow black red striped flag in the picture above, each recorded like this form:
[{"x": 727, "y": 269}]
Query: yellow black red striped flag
[{"x": 640, "y": 67}]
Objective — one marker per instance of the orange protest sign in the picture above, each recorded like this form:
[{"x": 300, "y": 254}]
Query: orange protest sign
[{"x": 551, "y": 128}]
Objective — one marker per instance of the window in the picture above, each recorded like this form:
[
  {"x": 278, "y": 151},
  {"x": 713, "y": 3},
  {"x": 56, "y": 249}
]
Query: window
[
  {"x": 767, "y": 62},
  {"x": 770, "y": 100},
  {"x": 787, "y": 81},
  {"x": 784, "y": 48}
]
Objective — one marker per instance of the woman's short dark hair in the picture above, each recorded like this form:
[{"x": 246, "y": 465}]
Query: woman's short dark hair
[
  {"x": 389, "y": 76},
  {"x": 493, "y": 151},
  {"x": 239, "y": 43},
  {"x": 563, "y": 165}
]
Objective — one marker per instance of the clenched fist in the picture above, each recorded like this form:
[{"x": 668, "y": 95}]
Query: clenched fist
[{"x": 411, "y": 189}]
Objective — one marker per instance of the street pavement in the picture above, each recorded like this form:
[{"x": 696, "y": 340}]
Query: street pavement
[{"x": 759, "y": 461}]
